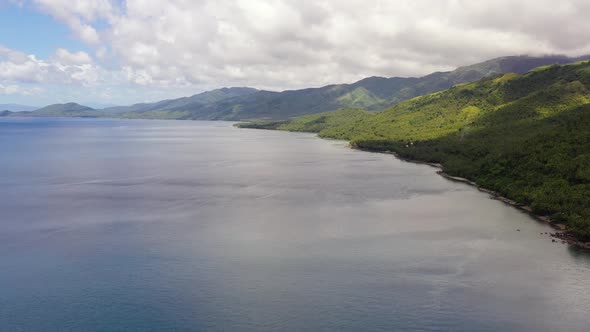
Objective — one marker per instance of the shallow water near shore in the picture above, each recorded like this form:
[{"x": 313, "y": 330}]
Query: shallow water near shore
[{"x": 186, "y": 225}]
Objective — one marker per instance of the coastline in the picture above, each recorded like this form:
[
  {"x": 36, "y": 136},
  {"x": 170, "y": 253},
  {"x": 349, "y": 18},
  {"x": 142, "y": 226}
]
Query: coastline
[{"x": 562, "y": 234}]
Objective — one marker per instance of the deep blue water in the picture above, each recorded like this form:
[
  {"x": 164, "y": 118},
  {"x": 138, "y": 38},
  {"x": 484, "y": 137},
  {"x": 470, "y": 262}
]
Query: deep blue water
[{"x": 112, "y": 225}]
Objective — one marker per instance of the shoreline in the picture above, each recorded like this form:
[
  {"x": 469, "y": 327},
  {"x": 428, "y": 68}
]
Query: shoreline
[{"x": 562, "y": 233}]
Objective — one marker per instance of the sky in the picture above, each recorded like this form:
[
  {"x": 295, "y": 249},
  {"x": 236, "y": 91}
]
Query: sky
[{"x": 119, "y": 52}]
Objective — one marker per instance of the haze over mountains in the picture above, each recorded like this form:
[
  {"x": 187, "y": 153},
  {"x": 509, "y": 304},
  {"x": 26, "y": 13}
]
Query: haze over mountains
[
  {"x": 373, "y": 93},
  {"x": 17, "y": 108}
]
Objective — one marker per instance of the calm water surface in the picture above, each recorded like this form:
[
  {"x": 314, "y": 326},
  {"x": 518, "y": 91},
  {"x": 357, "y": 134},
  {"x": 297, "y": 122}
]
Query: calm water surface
[{"x": 154, "y": 225}]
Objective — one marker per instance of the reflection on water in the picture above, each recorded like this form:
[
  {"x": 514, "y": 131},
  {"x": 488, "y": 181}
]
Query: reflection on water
[{"x": 152, "y": 225}]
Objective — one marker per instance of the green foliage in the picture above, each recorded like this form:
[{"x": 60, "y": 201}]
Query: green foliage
[{"x": 359, "y": 97}]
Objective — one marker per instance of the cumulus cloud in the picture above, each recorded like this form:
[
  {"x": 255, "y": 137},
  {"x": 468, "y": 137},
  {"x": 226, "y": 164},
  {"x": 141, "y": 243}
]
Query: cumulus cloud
[
  {"x": 64, "y": 67},
  {"x": 281, "y": 44},
  {"x": 72, "y": 58},
  {"x": 19, "y": 67}
]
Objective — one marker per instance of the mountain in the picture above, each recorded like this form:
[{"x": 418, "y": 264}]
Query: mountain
[
  {"x": 526, "y": 137},
  {"x": 195, "y": 101},
  {"x": 374, "y": 93},
  {"x": 61, "y": 110},
  {"x": 17, "y": 108},
  {"x": 443, "y": 80}
]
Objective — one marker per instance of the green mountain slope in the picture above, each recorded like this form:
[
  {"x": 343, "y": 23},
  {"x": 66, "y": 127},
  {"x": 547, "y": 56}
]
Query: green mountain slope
[
  {"x": 194, "y": 101},
  {"x": 524, "y": 136}
]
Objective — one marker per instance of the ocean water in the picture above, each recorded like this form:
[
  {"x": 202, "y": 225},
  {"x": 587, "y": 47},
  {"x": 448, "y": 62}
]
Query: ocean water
[{"x": 110, "y": 225}]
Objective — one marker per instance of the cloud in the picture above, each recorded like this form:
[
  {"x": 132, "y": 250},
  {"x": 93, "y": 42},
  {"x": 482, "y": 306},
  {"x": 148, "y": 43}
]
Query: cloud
[
  {"x": 72, "y": 58},
  {"x": 64, "y": 67},
  {"x": 192, "y": 45},
  {"x": 79, "y": 15},
  {"x": 283, "y": 44},
  {"x": 19, "y": 67}
]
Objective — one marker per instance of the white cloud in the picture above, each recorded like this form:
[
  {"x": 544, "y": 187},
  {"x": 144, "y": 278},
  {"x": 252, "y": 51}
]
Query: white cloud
[
  {"x": 64, "y": 67},
  {"x": 72, "y": 58},
  {"x": 192, "y": 45},
  {"x": 284, "y": 44},
  {"x": 17, "y": 66},
  {"x": 79, "y": 15}
]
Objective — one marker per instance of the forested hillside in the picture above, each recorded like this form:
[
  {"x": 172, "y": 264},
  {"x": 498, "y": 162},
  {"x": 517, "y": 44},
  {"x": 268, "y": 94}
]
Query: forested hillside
[{"x": 524, "y": 136}]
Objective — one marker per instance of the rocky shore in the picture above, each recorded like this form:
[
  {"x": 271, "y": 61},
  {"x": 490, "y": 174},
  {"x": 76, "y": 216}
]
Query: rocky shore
[{"x": 568, "y": 238}]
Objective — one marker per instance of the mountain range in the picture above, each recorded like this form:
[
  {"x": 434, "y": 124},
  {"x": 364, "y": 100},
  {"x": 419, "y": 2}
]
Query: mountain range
[{"x": 373, "y": 94}]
